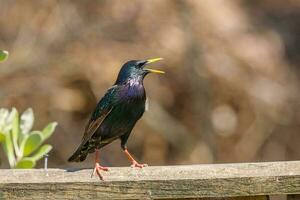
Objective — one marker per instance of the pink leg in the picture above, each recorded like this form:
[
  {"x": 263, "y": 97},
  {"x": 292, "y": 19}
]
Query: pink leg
[
  {"x": 98, "y": 167},
  {"x": 133, "y": 161}
]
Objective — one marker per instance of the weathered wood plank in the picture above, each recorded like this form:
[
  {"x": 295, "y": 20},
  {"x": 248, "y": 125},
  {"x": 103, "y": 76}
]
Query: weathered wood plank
[
  {"x": 165, "y": 182},
  {"x": 233, "y": 198},
  {"x": 293, "y": 197}
]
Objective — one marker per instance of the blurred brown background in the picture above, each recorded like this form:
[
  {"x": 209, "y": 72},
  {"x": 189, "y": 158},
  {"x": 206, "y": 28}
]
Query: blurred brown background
[{"x": 230, "y": 94}]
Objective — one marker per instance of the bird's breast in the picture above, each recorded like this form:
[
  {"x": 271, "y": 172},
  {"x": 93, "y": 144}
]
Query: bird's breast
[
  {"x": 122, "y": 118},
  {"x": 133, "y": 91},
  {"x": 131, "y": 104}
]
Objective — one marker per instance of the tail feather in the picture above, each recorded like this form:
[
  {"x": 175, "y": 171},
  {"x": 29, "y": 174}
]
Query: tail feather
[
  {"x": 79, "y": 155},
  {"x": 84, "y": 149}
]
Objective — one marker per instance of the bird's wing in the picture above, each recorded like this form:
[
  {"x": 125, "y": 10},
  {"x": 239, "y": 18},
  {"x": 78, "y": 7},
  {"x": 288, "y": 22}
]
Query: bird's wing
[{"x": 103, "y": 108}]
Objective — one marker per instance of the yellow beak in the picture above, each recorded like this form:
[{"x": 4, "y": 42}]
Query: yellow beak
[
  {"x": 154, "y": 70},
  {"x": 154, "y": 60}
]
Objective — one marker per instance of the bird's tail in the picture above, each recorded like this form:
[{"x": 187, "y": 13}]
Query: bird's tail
[{"x": 79, "y": 155}]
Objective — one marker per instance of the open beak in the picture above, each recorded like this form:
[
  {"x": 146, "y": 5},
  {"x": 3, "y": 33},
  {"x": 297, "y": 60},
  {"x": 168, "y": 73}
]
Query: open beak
[{"x": 154, "y": 70}]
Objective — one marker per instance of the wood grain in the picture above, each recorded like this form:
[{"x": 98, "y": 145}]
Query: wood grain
[
  {"x": 293, "y": 197},
  {"x": 160, "y": 182},
  {"x": 232, "y": 198}
]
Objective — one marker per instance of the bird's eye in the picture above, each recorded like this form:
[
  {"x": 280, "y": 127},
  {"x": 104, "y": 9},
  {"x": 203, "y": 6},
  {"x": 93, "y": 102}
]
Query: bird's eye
[{"x": 140, "y": 64}]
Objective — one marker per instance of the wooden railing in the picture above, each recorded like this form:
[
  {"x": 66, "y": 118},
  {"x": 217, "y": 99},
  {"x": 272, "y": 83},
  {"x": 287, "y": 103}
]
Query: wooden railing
[{"x": 216, "y": 181}]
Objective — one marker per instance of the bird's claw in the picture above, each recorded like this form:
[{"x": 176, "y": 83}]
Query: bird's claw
[
  {"x": 136, "y": 164},
  {"x": 97, "y": 170}
]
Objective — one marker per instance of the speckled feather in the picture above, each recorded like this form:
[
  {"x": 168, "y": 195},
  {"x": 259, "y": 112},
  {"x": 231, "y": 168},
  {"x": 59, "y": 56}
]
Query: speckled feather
[{"x": 115, "y": 115}]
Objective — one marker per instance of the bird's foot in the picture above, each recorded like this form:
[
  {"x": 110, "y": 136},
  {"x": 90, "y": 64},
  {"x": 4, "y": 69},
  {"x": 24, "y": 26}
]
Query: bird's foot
[
  {"x": 136, "y": 164},
  {"x": 97, "y": 169}
]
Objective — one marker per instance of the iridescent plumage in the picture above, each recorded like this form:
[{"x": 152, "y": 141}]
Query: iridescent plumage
[{"x": 117, "y": 112}]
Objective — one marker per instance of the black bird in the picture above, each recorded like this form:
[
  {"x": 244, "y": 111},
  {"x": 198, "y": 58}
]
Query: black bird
[{"x": 116, "y": 113}]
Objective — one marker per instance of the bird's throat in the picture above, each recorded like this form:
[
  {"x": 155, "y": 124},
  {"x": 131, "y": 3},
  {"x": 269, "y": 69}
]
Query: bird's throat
[
  {"x": 134, "y": 89},
  {"x": 135, "y": 82}
]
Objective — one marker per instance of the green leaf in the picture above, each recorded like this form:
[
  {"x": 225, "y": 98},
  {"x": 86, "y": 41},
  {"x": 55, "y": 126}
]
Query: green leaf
[
  {"x": 3, "y": 55},
  {"x": 3, "y": 117},
  {"x": 27, "y": 119},
  {"x": 15, "y": 130},
  {"x": 26, "y": 163},
  {"x": 8, "y": 123},
  {"x": 48, "y": 130},
  {"x": 2, "y": 137},
  {"x": 31, "y": 142},
  {"x": 42, "y": 151},
  {"x": 9, "y": 150}
]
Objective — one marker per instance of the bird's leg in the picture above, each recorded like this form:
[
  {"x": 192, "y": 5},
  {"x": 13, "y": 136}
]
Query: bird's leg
[
  {"x": 98, "y": 167},
  {"x": 133, "y": 161}
]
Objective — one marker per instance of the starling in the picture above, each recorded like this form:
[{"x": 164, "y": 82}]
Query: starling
[{"x": 116, "y": 114}]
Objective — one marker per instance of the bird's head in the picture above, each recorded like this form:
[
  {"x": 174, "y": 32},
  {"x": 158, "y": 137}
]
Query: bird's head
[{"x": 136, "y": 69}]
